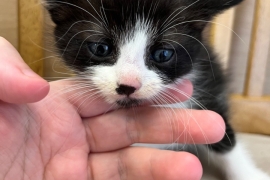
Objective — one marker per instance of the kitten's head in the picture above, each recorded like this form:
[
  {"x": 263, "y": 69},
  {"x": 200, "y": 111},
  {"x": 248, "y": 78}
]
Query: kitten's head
[{"x": 130, "y": 50}]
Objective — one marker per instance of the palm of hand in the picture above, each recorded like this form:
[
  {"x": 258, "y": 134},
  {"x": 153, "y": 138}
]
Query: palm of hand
[
  {"x": 49, "y": 139},
  {"x": 45, "y": 140}
]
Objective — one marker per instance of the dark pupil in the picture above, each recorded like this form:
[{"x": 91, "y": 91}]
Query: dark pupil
[
  {"x": 99, "y": 49},
  {"x": 102, "y": 50},
  {"x": 162, "y": 55}
]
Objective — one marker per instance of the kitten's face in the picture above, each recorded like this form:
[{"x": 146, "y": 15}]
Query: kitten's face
[{"x": 131, "y": 50}]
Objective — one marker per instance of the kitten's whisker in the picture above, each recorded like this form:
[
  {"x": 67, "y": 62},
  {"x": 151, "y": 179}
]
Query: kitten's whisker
[
  {"x": 48, "y": 57},
  {"x": 201, "y": 106},
  {"x": 167, "y": 99},
  {"x": 113, "y": 106},
  {"x": 171, "y": 98},
  {"x": 104, "y": 14},
  {"x": 184, "y": 9},
  {"x": 99, "y": 15},
  {"x": 54, "y": 68},
  {"x": 212, "y": 22},
  {"x": 190, "y": 115},
  {"x": 172, "y": 22},
  {"x": 176, "y": 141},
  {"x": 186, "y": 95},
  {"x": 79, "y": 85},
  {"x": 67, "y": 99},
  {"x": 81, "y": 21},
  {"x": 45, "y": 49},
  {"x": 97, "y": 94},
  {"x": 168, "y": 19},
  {"x": 68, "y": 90},
  {"x": 80, "y": 95},
  {"x": 160, "y": 103}
]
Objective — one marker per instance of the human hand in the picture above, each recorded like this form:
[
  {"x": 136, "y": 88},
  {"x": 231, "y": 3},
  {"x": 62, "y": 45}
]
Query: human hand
[{"x": 63, "y": 137}]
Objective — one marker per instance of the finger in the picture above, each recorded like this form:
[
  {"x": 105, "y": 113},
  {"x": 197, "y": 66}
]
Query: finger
[
  {"x": 123, "y": 128},
  {"x": 19, "y": 84},
  {"x": 144, "y": 164},
  {"x": 89, "y": 104}
]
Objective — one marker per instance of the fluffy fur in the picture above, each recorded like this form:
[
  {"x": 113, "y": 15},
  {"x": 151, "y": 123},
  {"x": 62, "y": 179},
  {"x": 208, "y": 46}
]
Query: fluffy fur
[{"x": 132, "y": 50}]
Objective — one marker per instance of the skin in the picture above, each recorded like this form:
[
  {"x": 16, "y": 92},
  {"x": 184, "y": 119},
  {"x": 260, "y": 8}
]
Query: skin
[{"x": 45, "y": 134}]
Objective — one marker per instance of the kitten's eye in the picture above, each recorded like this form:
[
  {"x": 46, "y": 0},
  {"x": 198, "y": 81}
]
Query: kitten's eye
[
  {"x": 162, "y": 55},
  {"x": 99, "y": 49}
]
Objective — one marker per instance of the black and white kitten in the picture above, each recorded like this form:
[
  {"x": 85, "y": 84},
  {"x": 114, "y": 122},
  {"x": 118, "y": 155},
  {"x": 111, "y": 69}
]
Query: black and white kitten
[{"x": 130, "y": 50}]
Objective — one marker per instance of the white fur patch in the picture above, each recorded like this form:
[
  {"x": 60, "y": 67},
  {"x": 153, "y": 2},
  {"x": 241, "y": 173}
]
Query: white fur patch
[
  {"x": 130, "y": 69},
  {"x": 237, "y": 165}
]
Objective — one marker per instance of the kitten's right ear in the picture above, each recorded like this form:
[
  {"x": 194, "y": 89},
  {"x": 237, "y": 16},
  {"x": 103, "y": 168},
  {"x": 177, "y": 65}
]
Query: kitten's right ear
[{"x": 58, "y": 9}]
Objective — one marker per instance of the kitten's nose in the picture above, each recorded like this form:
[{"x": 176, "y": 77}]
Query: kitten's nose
[{"x": 125, "y": 90}]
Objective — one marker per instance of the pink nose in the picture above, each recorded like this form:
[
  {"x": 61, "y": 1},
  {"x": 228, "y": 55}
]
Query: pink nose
[{"x": 131, "y": 82}]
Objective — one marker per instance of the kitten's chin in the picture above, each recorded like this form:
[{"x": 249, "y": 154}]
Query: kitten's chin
[{"x": 129, "y": 102}]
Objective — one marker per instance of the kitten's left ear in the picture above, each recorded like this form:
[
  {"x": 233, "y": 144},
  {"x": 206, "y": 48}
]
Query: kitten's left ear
[
  {"x": 213, "y": 7},
  {"x": 208, "y": 9}
]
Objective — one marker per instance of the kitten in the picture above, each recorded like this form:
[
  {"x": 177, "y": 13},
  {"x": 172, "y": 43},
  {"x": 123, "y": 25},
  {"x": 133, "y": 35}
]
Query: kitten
[{"x": 131, "y": 50}]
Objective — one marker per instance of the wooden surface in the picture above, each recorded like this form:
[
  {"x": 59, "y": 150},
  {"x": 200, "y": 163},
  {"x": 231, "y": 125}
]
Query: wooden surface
[
  {"x": 248, "y": 55},
  {"x": 31, "y": 33},
  {"x": 267, "y": 81},
  {"x": 240, "y": 45},
  {"x": 251, "y": 115},
  {"x": 259, "y": 53},
  {"x": 9, "y": 21}
]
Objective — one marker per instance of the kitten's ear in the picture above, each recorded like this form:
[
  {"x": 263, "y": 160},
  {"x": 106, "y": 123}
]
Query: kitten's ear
[
  {"x": 207, "y": 9},
  {"x": 218, "y": 5},
  {"x": 214, "y": 7},
  {"x": 58, "y": 9}
]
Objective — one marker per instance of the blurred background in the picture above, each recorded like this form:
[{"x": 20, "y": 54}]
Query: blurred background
[{"x": 241, "y": 37}]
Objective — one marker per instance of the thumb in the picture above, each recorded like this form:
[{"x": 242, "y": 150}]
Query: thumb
[{"x": 18, "y": 83}]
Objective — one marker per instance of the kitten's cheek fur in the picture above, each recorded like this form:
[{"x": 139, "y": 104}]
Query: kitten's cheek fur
[{"x": 107, "y": 83}]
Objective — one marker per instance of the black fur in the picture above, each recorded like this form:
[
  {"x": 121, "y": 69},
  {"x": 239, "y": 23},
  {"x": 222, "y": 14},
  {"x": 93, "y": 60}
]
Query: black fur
[{"x": 71, "y": 16}]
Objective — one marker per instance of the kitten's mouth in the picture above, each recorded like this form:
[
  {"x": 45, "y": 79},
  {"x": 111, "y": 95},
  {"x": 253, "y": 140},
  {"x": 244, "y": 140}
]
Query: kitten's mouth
[{"x": 129, "y": 102}]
